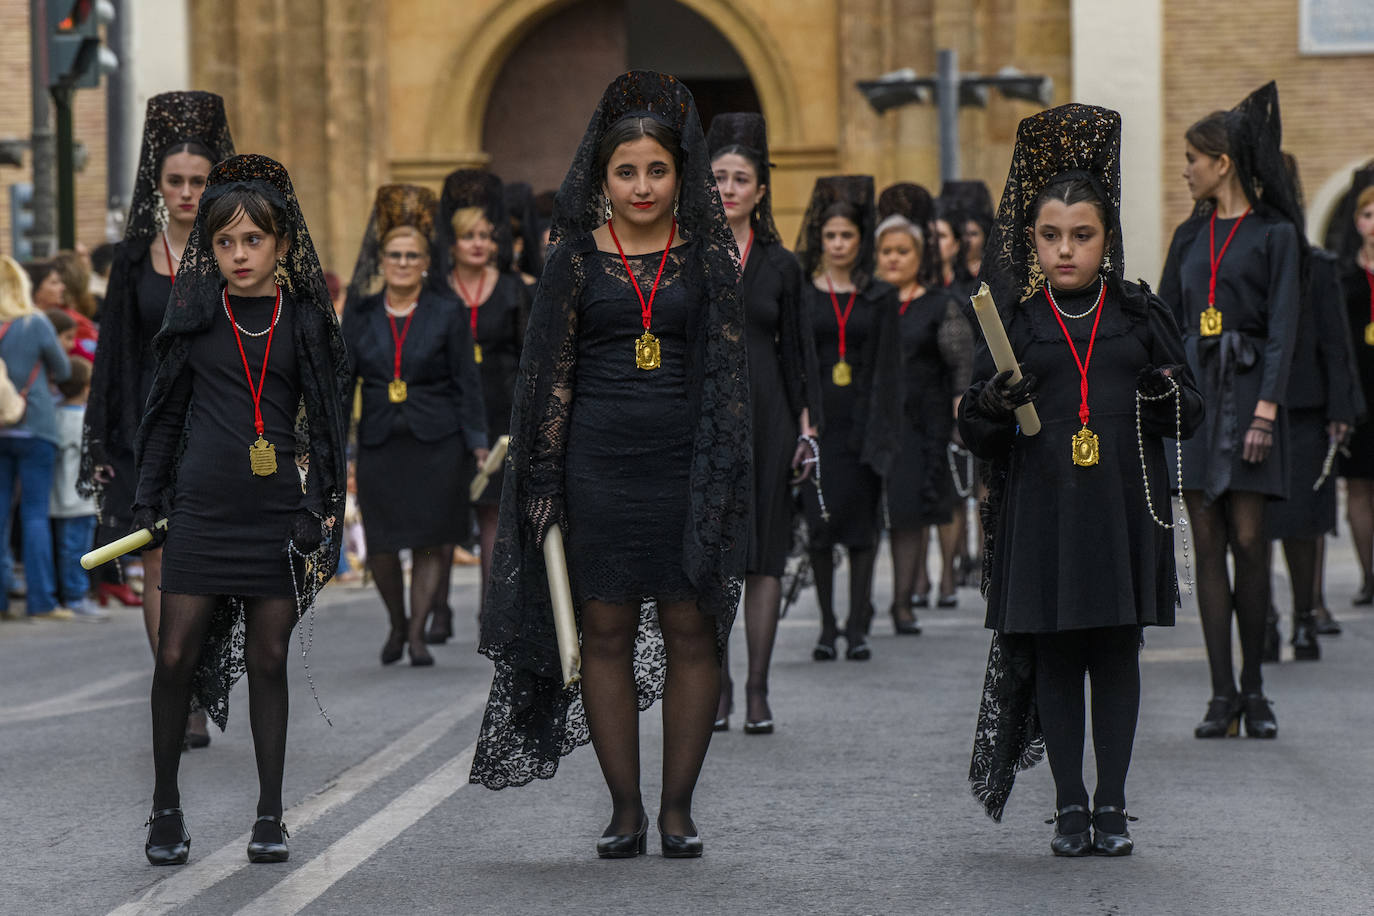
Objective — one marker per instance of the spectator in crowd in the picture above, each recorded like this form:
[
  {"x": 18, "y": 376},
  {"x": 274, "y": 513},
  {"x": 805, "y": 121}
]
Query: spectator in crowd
[{"x": 73, "y": 516}]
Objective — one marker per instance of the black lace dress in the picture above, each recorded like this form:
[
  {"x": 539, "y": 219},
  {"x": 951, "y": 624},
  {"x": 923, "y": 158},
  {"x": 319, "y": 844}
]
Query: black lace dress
[
  {"x": 862, "y": 419},
  {"x": 227, "y": 525},
  {"x": 937, "y": 359},
  {"x": 500, "y": 334}
]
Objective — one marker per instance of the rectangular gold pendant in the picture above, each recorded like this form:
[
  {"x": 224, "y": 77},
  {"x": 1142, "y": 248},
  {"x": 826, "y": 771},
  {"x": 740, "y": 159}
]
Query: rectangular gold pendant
[
  {"x": 647, "y": 352},
  {"x": 262, "y": 458},
  {"x": 1085, "y": 448},
  {"x": 477, "y": 353},
  {"x": 1369, "y": 334},
  {"x": 1210, "y": 325},
  {"x": 396, "y": 390},
  {"x": 842, "y": 375}
]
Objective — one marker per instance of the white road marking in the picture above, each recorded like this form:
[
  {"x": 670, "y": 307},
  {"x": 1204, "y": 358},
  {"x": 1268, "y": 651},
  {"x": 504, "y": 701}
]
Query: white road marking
[
  {"x": 192, "y": 880},
  {"x": 308, "y": 883},
  {"x": 81, "y": 700}
]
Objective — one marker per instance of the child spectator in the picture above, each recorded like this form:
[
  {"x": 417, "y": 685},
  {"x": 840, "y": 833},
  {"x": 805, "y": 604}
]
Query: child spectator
[
  {"x": 65, "y": 327},
  {"x": 73, "y": 516}
]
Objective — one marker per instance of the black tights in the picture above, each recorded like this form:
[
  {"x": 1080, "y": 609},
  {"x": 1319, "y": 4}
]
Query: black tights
[
  {"x": 269, "y": 622},
  {"x": 762, "y": 601},
  {"x": 689, "y": 702},
  {"x": 908, "y": 566},
  {"x": 428, "y": 572},
  {"x": 1110, "y": 656},
  {"x": 1301, "y": 554},
  {"x": 1234, "y": 520},
  {"x": 861, "y": 562}
]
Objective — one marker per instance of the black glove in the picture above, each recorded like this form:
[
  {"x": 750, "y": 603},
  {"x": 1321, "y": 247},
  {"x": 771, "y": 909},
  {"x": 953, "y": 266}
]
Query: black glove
[
  {"x": 306, "y": 532},
  {"x": 1153, "y": 382},
  {"x": 147, "y": 517},
  {"x": 1000, "y": 397}
]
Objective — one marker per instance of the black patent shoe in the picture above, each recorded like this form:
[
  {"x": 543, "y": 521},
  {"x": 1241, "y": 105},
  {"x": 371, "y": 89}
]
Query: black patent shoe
[
  {"x": 1111, "y": 844},
  {"x": 905, "y": 624},
  {"x": 1259, "y": 717},
  {"x": 419, "y": 656},
  {"x": 1305, "y": 645},
  {"x": 764, "y": 724},
  {"x": 168, "y": 853},
  {"x": 1222, "y": 719},
  {"x": 1365, "y": 596},
  {"x": 1070, "y": 844},
  {"x": 393, "y": 648},
  {"x": 677, "y": 846},
  {"x": 440, "y": 626},
  {"x": 858, "y": 649},
  {"x": 825, "y": 648},
  {"x": 269, "y": 841},
  {"x": 1327, "y": 625},
  {"x": 624, "y": 845}
]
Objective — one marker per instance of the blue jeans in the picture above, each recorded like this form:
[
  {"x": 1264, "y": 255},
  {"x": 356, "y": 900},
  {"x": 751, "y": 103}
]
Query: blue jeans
[
  {"x": 28, "y": 463},
  {"x": 74, "y": 537}
]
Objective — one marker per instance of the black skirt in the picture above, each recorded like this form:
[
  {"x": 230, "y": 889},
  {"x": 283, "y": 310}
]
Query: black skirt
[
  {"x": 920, "y": 491},
  {"x": 853, "y": 493},
  {"x": 1305, "y": 514},
  {"x": 413, "y": 493}
]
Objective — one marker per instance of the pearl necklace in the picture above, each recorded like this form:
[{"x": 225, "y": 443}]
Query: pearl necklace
[
  {"x": 176, "y": 259},
  {"x": 400, "y": 313},
  {"x": 242, "y": 329},
  {"x": 1050, "y": 295}
]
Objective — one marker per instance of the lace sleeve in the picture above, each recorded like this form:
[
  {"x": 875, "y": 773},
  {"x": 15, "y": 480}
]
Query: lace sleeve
[
  {"x": 955, "y": 340},
  {"x": 543, "y": 505}
]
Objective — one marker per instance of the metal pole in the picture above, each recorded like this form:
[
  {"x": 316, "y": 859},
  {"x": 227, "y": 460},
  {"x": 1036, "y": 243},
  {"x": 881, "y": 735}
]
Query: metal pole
[
  {"x": 119, "y": 119},
  {"x": 66, "y": 168},
  {"x": 947, "y": 94},
  {"x": 41, "y": 143}
]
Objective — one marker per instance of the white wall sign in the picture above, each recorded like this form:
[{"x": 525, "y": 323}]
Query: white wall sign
[{"x": 1336, "y": 26}]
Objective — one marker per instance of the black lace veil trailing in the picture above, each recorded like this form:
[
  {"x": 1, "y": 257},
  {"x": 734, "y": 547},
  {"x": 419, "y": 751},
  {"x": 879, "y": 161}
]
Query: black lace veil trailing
[
  {"x": 531, "y": 719},
  {"x": 1081, "y": 141},
  {"x": 396, "y": 205},
  {"x": 1341, "y": 236},
  {"x": 747, "y": 130},
  {"x": 115, "y": 406},
  {"x": 519, "y": 201},
  {"x": 915, "y": 204},
  {"x": 856, "y": 190},
  {"x": 322, "y": 421},
  {"x": 462, "y": 189}
]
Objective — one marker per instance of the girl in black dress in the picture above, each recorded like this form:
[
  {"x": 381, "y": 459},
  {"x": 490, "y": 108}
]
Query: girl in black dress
[
  {"x": 184, "y": 135},
  {"x": 1357, "y": 285},
  {"x": 1080, "y": 555},
  {"x": 631, "y": 428},
  {"x": 937, "y": 356},
  {"x": 1233, "y": 277},
  {"x": 242, "y": 449},
  {"x": 477, "y": 267},
  {"x": 783, "y": 390},
  {"x": 422, "y": 413},
  {"x": 858, "y": 343}
]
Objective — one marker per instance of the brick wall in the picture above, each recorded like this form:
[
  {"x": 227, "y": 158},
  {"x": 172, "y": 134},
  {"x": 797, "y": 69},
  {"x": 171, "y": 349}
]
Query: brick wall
[{"x": 1216, "y": 53}]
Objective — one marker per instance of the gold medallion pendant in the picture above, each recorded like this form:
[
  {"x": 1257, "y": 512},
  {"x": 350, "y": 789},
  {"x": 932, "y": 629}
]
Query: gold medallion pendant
[
  {"x": 396, "y": 390},
  {"x": 1210, "y": 325},
  {"x": 647, "y": 353},
  {"x": 1369, "y": 334},
  {"x": 842, "y": 375},
  {"x": 1085, "y": 448},
  {"x": 262, "y": 458},
  {"x": 477, "y": 353}
]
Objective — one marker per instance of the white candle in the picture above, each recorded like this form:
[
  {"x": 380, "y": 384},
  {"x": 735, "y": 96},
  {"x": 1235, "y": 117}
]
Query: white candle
[
  {"x": 996, "y": 336},
  {"x": 560, "y": 595}
]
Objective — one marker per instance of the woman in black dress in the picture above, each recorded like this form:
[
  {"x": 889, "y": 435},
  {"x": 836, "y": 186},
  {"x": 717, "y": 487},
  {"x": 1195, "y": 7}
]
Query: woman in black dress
[
  {"x": 1080, "y": 555},
  {"x": 630, "y": 427},
  {"x": 783, "y": 389},
  {"x": 476, "y": 266},
  {"x": 855, "y": 318},
  {"x": 422, "y": 413},
  {"x": 937, "y": 356},
  {"x": 184, "y": 135},
  {"x": 242, "y": 449},
  {"x": 1357, "y": 286},
  {"x": 1233, "y": 278}
]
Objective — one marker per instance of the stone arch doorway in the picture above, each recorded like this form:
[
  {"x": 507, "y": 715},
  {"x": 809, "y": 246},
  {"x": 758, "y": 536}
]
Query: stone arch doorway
[{"x": 533, "y": 122}]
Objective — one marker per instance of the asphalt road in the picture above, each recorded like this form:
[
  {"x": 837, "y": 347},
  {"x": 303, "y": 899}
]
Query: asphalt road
[{"x": 858, "y": 804}]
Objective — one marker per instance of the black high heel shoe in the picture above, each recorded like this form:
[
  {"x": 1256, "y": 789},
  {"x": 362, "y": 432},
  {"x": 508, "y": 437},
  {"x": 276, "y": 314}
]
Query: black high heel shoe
[
  {"x": 677, "y": 846},
  {"x": 625, "y": 845},
  {"x": 905, "y": 624},
  {"x": 393, "y": 648},
  {"x": 1222, "y": 719},
  {"x": 1365, "y": 596},
  {"x": 723, "y": 710},
  {"x": 1070, "y": 844},
  {"x": 440, "y": 626},
  {"x": 825, "y": 648},
  {"x": 858, "y": 650},
  {"x": 764, "y": 724},
  {"x": 1259, "y": 717},
  {"x": 1112, "y": 844},
  {"x": 168, "y": 853},
  {"x": 269, "y": 840},
  {"x": 422, "y": 658},
  {"x": 1306, "y": 648}
]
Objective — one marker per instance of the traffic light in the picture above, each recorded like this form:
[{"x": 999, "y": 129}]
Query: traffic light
[
  {"x": 21, "y": 221},
  {"x": 76, "y": 55}
]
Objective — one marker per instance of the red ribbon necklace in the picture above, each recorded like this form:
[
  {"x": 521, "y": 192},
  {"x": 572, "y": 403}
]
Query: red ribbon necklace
[
  {"x": 748, "y": 246},
  {"x": 399, "y": 338},
  {"x": 1369, "y": 328},
  {"x": 841, "y": 318},
  {"x": 1215, "y": 259},
  {"x": 262, "y": 455},
  {"x": 1085, "y": 442},
  {"x": 907, "y": 304},
  {"x": 474, "y": 303},
  {"x": 171, "y": 265},
  {"x": 647, "y": 354}
]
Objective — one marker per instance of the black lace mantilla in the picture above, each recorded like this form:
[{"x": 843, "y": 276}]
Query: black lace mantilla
[
  {"x": 531, "y": 720},
  {"x": 321, "y": 425}
]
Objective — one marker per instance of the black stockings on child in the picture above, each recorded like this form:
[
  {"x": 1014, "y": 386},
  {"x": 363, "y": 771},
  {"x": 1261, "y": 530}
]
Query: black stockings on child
[{"x": 861, "y": 562}]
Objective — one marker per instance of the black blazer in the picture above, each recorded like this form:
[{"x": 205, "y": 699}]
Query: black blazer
[{"x": 443, "y": 388}]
